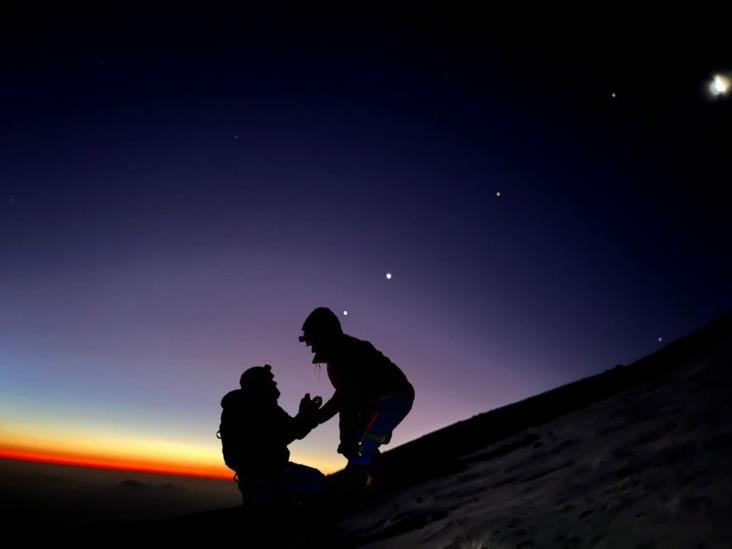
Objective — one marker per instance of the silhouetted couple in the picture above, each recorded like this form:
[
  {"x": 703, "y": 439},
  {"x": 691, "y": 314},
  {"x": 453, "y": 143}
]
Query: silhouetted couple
[{"x": 372, "y": 396}]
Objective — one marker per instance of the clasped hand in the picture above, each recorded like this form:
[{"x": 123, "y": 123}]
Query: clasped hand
[{"x": 310, "y": 406}]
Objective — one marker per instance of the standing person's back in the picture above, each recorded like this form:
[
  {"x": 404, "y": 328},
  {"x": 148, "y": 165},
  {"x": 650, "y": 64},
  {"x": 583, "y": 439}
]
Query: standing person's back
[{"x": 362, "y": 372}]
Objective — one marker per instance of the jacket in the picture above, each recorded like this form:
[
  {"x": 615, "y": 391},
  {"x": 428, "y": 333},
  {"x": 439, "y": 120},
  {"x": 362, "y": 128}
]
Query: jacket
[
  {"x": 360, "y": 375},
  {"x": 255, "y": 433}
]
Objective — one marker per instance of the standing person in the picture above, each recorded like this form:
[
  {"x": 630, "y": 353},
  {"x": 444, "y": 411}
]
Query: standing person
[
  {"x": 255, "y": 432},
  {"x": 372, "y": 395}
]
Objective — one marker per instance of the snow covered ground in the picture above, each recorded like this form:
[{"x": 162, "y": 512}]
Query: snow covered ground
[{"x": 650, "y": 467}]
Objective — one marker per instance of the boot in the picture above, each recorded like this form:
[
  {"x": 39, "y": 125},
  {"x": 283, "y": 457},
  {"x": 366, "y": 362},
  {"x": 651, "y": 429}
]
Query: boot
[{"x": 352, "y": 486}]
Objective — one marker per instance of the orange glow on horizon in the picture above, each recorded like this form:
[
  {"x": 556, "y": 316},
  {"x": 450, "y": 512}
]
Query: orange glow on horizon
[
  {"x": 84, "y": 447},
  {"x": 219, "y": 473},
  {"x": 189, "y": 469}
]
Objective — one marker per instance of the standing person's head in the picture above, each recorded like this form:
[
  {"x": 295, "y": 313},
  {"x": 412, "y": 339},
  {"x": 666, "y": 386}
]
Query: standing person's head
[
  {"x": 320, "y": 329},
  {"x": 258, "y": 381}
]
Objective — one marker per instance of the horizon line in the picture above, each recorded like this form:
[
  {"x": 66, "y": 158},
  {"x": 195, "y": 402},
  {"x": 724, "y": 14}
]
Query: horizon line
[{"x": 112, "y": 466}]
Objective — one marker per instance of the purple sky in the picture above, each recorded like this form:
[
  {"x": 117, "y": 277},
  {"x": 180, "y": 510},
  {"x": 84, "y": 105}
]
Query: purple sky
[{"x": 172, "y": 209}]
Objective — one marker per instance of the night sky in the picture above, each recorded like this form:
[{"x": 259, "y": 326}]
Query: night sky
[{"x": 178, "y": 190}]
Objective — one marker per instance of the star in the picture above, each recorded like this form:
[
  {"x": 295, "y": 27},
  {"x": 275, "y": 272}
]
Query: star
[
  {"x": 720, "y": 85},
  {"x": 498, "y": 194},
  {"x": 236, "y": 136},
  {"x": 660, "y": 339},
  {"x": 345, "y": 313},
  {"x": 614, "y": 95},
  {"x": 388, "y": 276}
]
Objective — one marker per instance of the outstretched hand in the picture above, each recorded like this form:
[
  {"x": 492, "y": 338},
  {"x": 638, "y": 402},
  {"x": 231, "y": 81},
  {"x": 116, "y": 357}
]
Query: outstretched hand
[{"x": 310, "y": 406}]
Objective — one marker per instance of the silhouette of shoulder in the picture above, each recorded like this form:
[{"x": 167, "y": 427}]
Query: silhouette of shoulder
[{"x": 358, "y": 363}]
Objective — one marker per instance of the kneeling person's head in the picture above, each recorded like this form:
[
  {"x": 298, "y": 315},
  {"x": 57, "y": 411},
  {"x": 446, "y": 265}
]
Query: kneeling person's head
[{"x": 259, "y": 381}]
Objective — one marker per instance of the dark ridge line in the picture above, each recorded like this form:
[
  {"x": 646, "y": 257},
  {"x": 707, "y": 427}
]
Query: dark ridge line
[{"x": 437, "y": 453}]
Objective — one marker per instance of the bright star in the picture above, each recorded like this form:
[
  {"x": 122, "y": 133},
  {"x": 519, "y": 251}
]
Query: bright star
[
  {"x": 720, "y": 85},
  {"x": 388, "y": 276},
  {"x": 345, "y": 313}
]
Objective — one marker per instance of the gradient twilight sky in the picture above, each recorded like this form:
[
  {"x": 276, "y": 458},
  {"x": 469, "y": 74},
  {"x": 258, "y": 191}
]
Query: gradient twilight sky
[{"x": 177, "y": 193}]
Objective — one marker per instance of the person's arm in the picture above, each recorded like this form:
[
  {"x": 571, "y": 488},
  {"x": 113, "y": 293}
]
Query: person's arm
[
  {"x": 307, "y": 417},
  {"x": 295, "y": 427},
  {"x": 300, "y": 426},
  {"x": 330, "y": 408}
]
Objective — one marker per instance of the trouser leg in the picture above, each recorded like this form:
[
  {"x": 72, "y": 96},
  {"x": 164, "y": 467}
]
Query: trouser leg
[{"x": 387, "y": 414}]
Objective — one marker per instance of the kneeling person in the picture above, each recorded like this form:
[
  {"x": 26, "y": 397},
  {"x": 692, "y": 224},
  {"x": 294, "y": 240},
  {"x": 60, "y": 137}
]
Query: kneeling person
[{"x": 255, "y": 432}]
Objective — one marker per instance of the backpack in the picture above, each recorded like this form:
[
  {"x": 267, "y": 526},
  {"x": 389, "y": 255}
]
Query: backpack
[{"x": 230, "y": 429}]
